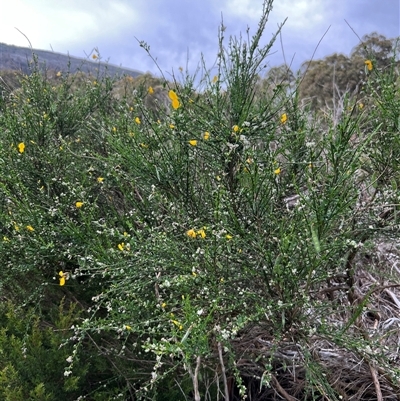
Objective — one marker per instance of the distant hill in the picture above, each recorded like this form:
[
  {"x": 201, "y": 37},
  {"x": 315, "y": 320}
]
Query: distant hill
[{"x": 17, "y": 58}]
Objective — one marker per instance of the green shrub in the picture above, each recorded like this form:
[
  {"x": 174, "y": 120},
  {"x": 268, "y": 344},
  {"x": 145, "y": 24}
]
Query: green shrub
[{"x": 187, "y": 241}]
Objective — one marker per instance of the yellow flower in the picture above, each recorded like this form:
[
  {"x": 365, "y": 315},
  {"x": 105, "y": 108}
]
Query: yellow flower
[
  {"x": 235, "y": 128},
  {"x": 201, "y": 233},
  {"x": 361, "y": 105},
  {"x": 58, "y": 74},
  {"x": 121, "y": 246},
  {"x": 16, "y": 228},
  {"x": 137, "y": 120},
  {"x": 172, "y": 95},
  {"x": 21, "y": 147},
  {"x": 369, "y": 65},
  {"x": 206, "y": 136},
  {"x": 100, "y": 179},
  {"x": 228, "y": 236},
  {"x": 174, "y": 98},
  {"x": 277, "y": 171},
  {"x": 193, "y": 142},
  {"x": 191, "y": 233},
  {"x": 175, "y": 104},
  {"x": 177, "y": 324},
  {"x": 150, "y": 90},
  {"x": 6, "y": 239},
  {"x": 79, "y": 204},
  {"x": 163, "y": 305},
  {"x": 63, "y": 277},
  {"x": 144, "y": 146},
  {"x": 283, "y": 118},
  {"x": 94, "y": 56},
  {"x": 172, "y": 126},
  {"x": 30, "y": 228},
  {"x": 114, "y": 129},
  {"x": 215, "y": 79},
  {"x": 128, "y": 327}
]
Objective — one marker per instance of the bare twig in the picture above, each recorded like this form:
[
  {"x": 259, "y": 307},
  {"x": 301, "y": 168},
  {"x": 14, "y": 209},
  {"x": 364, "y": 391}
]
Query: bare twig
[
  {"x": 376, "y": 383},
  {"x": 195, "y": 378},
  {"x": 282, "y": 391},
  {"x": 221, "y": 359}
]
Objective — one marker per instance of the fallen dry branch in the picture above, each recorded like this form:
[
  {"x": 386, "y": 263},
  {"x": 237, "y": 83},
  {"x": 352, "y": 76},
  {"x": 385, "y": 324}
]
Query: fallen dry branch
[{"x": 361, "y": 365}]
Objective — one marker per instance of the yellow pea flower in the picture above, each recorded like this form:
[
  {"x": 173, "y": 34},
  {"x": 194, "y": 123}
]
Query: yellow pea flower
[
  {"x": 369, "y": 65},
  {"x": 150, "y": 90},
  {"x": 191, "y": 233},
  {"x": 215, "y": 79},
  {"x": 121, "y": 246},
  {"x": 128, "y": 327},
  {"x": 172, "y": 95},
  {"x": 174, "y": 98},
  {"x": 137, "y": 120},
  {"x": 30, "y": 228},
  {"x": 21, "y": 147},
  {"x": 228, "y": 236},
  {"x": 206, "y": 136},
  {"x": 201, "y": 233},
  {"x": 63, "y": 276},
  {"x": 283, "y": 118},
  {"x": 100, "y": 179},
  {"x": 235, "y": 128},
  {"x": 277, "y": 171},
  {"x": 193, "y": 142},
  {"x": 79, "y": 204},
  {"x": 176, "y": 104}
]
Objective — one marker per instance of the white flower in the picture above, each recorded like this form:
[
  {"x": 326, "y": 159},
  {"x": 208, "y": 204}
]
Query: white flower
[
  {"x": 67, "y": 373},
  {"x": 69, "y": 359}
]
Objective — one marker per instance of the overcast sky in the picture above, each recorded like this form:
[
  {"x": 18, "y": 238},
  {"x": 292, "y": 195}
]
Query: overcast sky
[{"x": 178, "y": 31}]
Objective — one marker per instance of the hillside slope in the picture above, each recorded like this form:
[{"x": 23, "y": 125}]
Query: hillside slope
[{"x": 17, "y": 58}]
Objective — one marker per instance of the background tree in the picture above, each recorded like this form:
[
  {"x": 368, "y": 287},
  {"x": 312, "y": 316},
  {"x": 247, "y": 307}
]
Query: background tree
[{"x": 325, "y": 82}]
